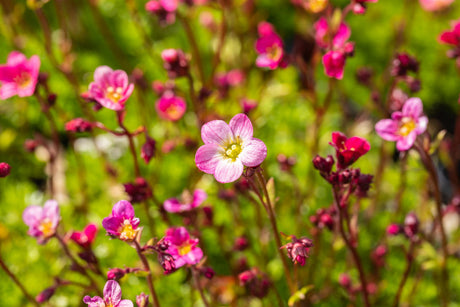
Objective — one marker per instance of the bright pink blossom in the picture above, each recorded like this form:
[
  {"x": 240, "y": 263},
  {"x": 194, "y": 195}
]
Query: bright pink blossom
[
  {"x": 188, "y": 203},
  {"x": 19, "y": 75},
  {"x": 348, "y": 150},
  {"x": 334, "y": 64},
  {"x": 121, "y": 223},
  {"x": 86, "y": 237},
  {"x": 435, "y": 5},
  {"x": 171, "y": 107},
  {"x": 228, "y": 148},
  {"x": 323, "y": 34},
  {"x": 181, "y": 247},
  {"x": 269, "y": 46},
  {"x": 111, "y": 88},
  {"x": 404, "y": 125},
  {"x": 112, "y": 297},
  {"x": 451, "y": 37},
  {"x": 5, "y": 169},
  {"x": 42, "y": 221}
]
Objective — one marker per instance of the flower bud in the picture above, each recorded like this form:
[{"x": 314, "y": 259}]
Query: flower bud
[
  {"x": 45, "y": 295},
  {"x": 411, "y": 224},
  {"x": 148, "y": 149},
  {"x": 78, "y": 125},
  {"x": 142, "y": 300},
  {"x": 323, "y": 164},
  {"x": 4, "y": 169}
]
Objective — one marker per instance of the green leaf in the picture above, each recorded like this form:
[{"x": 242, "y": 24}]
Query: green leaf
[{"x": 299, "y": 295}]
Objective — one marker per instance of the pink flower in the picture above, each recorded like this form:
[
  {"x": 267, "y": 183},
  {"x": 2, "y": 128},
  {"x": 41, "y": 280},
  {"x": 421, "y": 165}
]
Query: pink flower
[
  {"x": 360, "y": 6},
  {"x": 451, "y": 37},
  {"x": 334, "y": 64},
  {"x": 42, "y": 221},
  {"x": 269, "y": 46},
  {"x": 19, "y": 76},
  {"x": 5, "y": 169},
  {"x": 86, "y": 237},
  {"x": 164, "y": 9},
  {"x": 404, "y": 125},
  {"x": 228, "y": 148},
  {"x": 174, "y": 206},
  {"x": 348, "y": 150},
  {"x": 435, "y": 5},
  {"x": 112, "y": 297},
  {"x": 121, "y": 223},
  {"x": 323, "y": 34},
  {"x": 110, "y": 88},
  {"x": 171, "y": 107},
  {"x": 78, "y": 125},
  {"x": 181, "y": 247}
]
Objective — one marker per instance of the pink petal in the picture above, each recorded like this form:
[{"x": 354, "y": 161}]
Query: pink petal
[
  {"x": 16, "y": 58},
  {"x": 51, "y": 211},
  {"x": 241, "y": 126},
  {"x": 199, "y": 196},
  {"x": 128, "y": 92},
  {"x": 119, "y": 78},
  {"x": 407, "y": 142},
  {"x": 125, "y": 303},
  {"x": 172, "y": 205},
  {"x": 387, "y": 129},
  {"x": 422, "y": 124},
  {"x": 124, "y": 209},
  {"x": 413, "y": 107},
  {"x": 194, "y": 256},
  {"x": 263, "y": 61},
  {"x": 109, "y": 104},
  {"x": 101, "y": 75},
  {"x": 342, "y": 35},
  {"x": 208, "y": 156},
  {"x": 228, "y": 170},
  {"x": 7, "y": 74},
  {"x": 93, "y": 302},
  {"x": 254, "y": 153},
  {"x": 32, "y": 215},
  {"x": 216, "y": 132},
  {"x": 112, "y": 292},
  {"x": 8, "y": 90}
]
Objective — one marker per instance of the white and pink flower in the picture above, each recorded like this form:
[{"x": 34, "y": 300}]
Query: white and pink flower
[
  {"x": 228, "y": 148},
  {"x": 112, "y": 297},
  {"x": 42, "y": 221},
  {"x": 405, "y": 125}
]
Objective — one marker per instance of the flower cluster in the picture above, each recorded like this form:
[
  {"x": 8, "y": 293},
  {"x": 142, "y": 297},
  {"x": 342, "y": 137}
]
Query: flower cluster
[
  {"x": 410, "y": 228},
  {"x": 298, "y": 249}
]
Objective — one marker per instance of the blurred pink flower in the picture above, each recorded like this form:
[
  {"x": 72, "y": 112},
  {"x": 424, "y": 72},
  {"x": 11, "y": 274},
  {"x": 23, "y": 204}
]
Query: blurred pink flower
[
  {"x": 110, "y": 88},
  {"x": 112, "y": 297},
  {"x": 334, "y": 64},
  {"x": 404, "y": 125},
  {"x": 164, "y": 9},
  {"x": 269, "y": 46},
  {"x": 121, "y": 223},
  {"x": 228, "y": 148},
  {"x": 181, "y": 247},
  {"x": 435, "y": 5},
  {"x": 78, "y": 125},
  {"x": 323, "y": 34},
  {"x": 359, "y": 6},
  {"x": 19, "y": 76},
  {"x": 170, "y": 107},
  {"x": 42, "y": 221},
  {"x": 451, "y": 37},
  {"x": 86, "y": 237},
  {"x": 348, "y": 150},
  {"x": 173, "y": 205},
  {"x": 5, "y": 169}
]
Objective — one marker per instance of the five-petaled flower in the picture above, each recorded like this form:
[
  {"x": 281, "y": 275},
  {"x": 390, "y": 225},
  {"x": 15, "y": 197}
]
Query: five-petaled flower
[
  {"x": 112, "y": 297},
  {"x": 121, "y": 223},
  {"x": 404, "y": 125},
  {"x": 170, "y": 106},
  {"x": 188, "y": 203},
  {"x": 111, "y": 88},
  {"x": 269, "y": 46},
  {"x": 348, "y": 150},
  {"x": 19, "y": 75},
  {"x": 42, "y": 221},
  {"x": 228, "y": 148},
  {"x": 181, "y": 247}
]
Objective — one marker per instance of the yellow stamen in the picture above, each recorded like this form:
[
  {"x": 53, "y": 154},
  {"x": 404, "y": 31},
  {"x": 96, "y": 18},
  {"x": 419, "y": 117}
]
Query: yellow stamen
[
  {"x": 114, "y": 94},
  {"x": 407, "y": 126},
  {"x": 127, "y": 232},
  {"x": 185, "y": 249},
  {"x": 274, "y": 52},
  {"x": 233, "y": 150},
  {"x": 46, "y": 227},
  {"x": 23, "y": 80}
]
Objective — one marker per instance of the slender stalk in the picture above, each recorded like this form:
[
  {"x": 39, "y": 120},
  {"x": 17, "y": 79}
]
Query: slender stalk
[
  {"x": 271, "y": 215},
  {"x": 410, "y": 260},
  {"x": 194, "y": 46},
  {"x": 132, "y": 147},
  {"x": 145, "y": 262},
  {"x": 198, "y": 286},
  {"x": 18, "y": 283},
  {"x": 352, "y": 249}
]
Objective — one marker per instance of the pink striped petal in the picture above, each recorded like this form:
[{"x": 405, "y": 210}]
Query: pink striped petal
[
  {"x": 387, "y": 129},
  {"x": 254, "y": 153},
  {"x": 406, "y": 143},
  {"x": 112, "y": 292},
  {"x": 216, "y": 131},
  {"x": 241, "y": 126},
  {"x": 208, "y": 156},
  {"x": 413, "y": 107},
  {"x": 228, "y": 170}
]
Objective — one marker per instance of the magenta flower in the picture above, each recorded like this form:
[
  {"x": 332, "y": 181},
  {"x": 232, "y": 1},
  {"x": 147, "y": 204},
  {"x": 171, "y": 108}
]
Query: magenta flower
[
  {"x": 348, "y": 150},
  {"x": 5, "y": 169},
  {"x": 121, "y": 223},
  {"x": 171, "y": 107},
  {"x": 164, "y": 9},
  {"x": 112, "y": 297},
  {"x": 19, "y": 76},
  {"x": 435, "y": 5},
  {"x": 323, "y": 34},
  {"x": 359, "y": 6},
  {"x": 110, "y": 88},
  {"x": 173, "y": 205},
  {"x": 269, "y": 46},
  {"x": 228, "y": 148},
  {"x": 86, "y": 237},
  {"x": 404, "y": 125},
  {"x": 451, "y": 37},
  {"x": 42, "y": 221},
  {"x": 181, "y": 247}
]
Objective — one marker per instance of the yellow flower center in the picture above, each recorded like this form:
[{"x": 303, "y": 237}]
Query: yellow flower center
[
  {"x": 317, "y": 6},
  {"x": 274, "y": 52},
  {"x": 114, "y": 94},
  {"x": 407, "y": 126},
  {"x": 233, "y": 150},
  {"x": 184, "y": 249},
  {"x": 173, "y": 112},
  {"x": 127, "y": 232},
  {"x": 46, "y": 227},
  {"x": 23, "y": 80}
]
